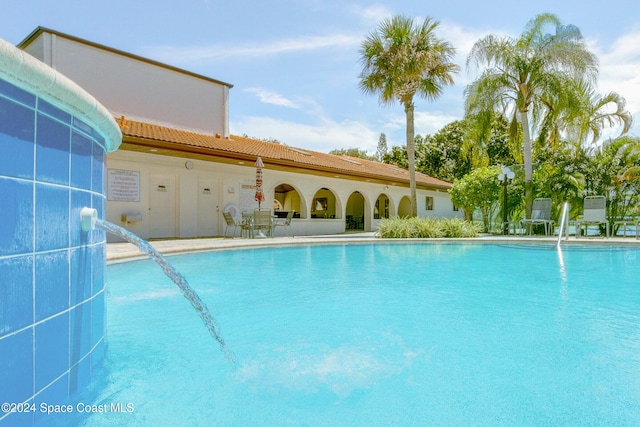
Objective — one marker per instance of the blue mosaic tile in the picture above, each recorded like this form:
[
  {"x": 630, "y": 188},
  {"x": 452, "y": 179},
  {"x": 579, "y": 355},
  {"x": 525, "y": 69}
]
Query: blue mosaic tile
[
  {"x": 80, "y": 331},
  {"x": 97, "y": 357},
  {"x": 16, "y": 211},
  {"x": 98, "y": 262},
  {"x": 17, "y": 135},
  {"x": 56, "y": 394},
  {"x": 80, "y": 375},
  {"x": 99, "y": 139},
  {"x": 54, "y": 111},
  {"x": 52, "y": 349},
  {"x": 17, "y": 367},
  {"x": 52, "y": 217},
  {"x": 97, "y": 318},
  {"x": 53, "y": 142},
  {"x": 97, "y": 179},
  {"x": 80, "y": 274},
  {"x": 81, "y": 161},
  {"x": 16, "y": 293},
  {"x": 80, "y": 125},
  {"x": 19, "y": 419},
  {"x": 52, "y": 283},
  {"x": 12, "y": 91}
]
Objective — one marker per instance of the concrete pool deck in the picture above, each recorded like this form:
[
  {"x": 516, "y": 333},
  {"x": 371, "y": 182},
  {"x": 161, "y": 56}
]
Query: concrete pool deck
[{"x": 118, "y": 252}]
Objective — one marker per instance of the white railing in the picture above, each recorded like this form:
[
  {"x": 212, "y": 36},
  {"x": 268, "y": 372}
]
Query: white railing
[{"x": 564, "y": 222}]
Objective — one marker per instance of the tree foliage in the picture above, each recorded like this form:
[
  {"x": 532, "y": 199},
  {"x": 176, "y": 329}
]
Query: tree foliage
[
  {"x": 382, "y": 148},
  {"x": 352, "y": 152},
  {"x": 480, "y": 190},
  {"x": 446, "y": 155},
  {"x": 397, "y": 156},
  {"x": 403, "y": 59},
  {"x": 528, "y": 76},
  {"x": 441, "y": 155},
  {"x": 612, "y": 172}
]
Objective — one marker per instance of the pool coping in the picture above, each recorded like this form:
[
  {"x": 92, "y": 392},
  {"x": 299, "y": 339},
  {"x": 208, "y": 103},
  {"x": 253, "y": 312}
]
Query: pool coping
[{"x": 123, "y": 252}]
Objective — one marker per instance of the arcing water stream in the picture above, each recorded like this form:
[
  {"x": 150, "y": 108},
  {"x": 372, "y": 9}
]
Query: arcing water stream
[{"x": 174, "y": 275}]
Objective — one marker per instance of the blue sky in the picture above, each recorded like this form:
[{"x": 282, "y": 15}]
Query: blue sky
[{"x": 294, "y": 64}]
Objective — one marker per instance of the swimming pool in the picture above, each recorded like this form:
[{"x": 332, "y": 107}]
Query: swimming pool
[{"x": 377, "y": 334}]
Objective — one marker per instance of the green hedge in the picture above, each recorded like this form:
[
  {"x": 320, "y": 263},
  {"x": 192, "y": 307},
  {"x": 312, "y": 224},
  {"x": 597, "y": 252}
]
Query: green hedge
[{"x": 402, "y": 228}]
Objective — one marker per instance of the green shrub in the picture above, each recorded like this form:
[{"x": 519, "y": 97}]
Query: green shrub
[
  {"x": 426, "y": 228},
  {"x": 456, "y": 227}
]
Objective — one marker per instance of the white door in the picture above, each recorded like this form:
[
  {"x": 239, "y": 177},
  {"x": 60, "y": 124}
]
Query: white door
[
  {"x": 162, "y": 206},
  {"x": 208, "y": 208}
]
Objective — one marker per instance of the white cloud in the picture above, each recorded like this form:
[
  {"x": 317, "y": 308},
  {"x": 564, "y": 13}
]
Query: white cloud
[
  {"x": 324, "y": 137},
  {"x": 329, "y": 134},
  {"x": 270, "y": 97},
  {"x": 620, "y": 72},
  {"x": 193, "y": 54},
  {"x": 431, "y": 122},
  {"x": 463, "y": 40},
  {"x": 371, "y": 15}
]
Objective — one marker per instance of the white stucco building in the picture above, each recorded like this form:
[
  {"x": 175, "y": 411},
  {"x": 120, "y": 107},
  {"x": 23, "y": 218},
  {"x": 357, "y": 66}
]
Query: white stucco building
[{"x": 178, "y": 167}]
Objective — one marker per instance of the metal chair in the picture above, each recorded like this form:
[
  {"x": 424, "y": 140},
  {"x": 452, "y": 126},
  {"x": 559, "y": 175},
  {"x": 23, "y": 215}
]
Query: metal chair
[
  {"x": 262, "y": 221},
  {"x": 246, "y": 225},
  {"x": 230, "y": 222},
  {"x": 285, "y": 222},
  {"x": 540, "y": 215},
  {"x": 594, "y": 213}
]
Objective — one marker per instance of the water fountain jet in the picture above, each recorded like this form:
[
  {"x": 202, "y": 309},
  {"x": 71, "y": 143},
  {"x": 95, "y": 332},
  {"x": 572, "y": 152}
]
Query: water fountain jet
[{"x": 89, "y": 221}]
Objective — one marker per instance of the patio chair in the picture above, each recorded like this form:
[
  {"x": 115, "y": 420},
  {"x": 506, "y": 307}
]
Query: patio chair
[
  {"x": 540, "y": 215},
  {"x": 594, "y": 213},
  {"x": 284, "y": 222},
  {"x": 230, "y": 222},
  {"x": 246, "y": 225},
  {"x": 262, "y": 220}
]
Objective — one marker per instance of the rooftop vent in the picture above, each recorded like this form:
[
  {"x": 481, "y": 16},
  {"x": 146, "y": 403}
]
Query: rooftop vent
[
  {"x": 297, "y": 150},
  {"x": 350, "y": 161}
]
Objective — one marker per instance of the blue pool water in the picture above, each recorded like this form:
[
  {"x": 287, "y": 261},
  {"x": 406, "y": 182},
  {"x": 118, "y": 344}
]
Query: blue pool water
[{"x": 384, "y": 334}]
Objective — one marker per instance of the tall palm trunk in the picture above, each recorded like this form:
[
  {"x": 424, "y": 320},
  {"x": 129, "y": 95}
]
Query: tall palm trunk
[
  {"x": 528, "y": 162},
  {"x": 411, "y": 157}
]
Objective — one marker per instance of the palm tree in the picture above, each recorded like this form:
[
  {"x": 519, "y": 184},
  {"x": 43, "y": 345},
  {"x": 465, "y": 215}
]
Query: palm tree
[
  {"x": 402, "y": 59},
  {"x": 613, "y": 171},
  {"x": 580, "y": 118},
  {"x": 525, "y": 76},
  {"x": 600, "y": 111}
]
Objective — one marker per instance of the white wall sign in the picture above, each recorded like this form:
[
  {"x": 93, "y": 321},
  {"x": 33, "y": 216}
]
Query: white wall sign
[{"x": 123, "y": 185}]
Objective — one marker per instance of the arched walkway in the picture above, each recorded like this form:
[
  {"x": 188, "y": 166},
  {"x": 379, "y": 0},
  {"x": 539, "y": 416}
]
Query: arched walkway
[
  {"x": 286, "y": 198},
  {"x": 355, "y": 212},
  {"x": 324, "y": 205},
  {"x": 404, "y": 208},
  {"x": 382, "y": 207}
]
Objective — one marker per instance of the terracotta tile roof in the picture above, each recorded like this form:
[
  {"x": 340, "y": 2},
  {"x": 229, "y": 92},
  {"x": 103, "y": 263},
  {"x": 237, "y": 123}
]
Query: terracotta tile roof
[{"x": 287, "y": 157}]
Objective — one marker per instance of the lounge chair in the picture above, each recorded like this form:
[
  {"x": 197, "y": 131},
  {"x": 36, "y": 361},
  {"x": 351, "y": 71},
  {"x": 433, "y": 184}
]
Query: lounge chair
[
  {"x": 594, "y": 213},
  {"x": 284, "y": 222},
  {"x": 540, "y": 215},
  {"x": 230, "y": 222}
]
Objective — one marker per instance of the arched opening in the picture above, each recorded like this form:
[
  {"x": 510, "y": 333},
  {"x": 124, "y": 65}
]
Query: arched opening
[
  {"x": 354, "y": 213},
  {"x": 324, "y": 205},
  {"x": 382, "y": 207},
  {"x": 285, "y": 199},
  {"x": 404, "y": 207}
]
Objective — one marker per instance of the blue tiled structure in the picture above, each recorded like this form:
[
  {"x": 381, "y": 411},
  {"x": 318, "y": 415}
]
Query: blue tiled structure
[{"x": 53, "y": 139}]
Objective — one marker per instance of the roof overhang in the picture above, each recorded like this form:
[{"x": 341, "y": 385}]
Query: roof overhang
[{"x": 172, "y": 149}]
